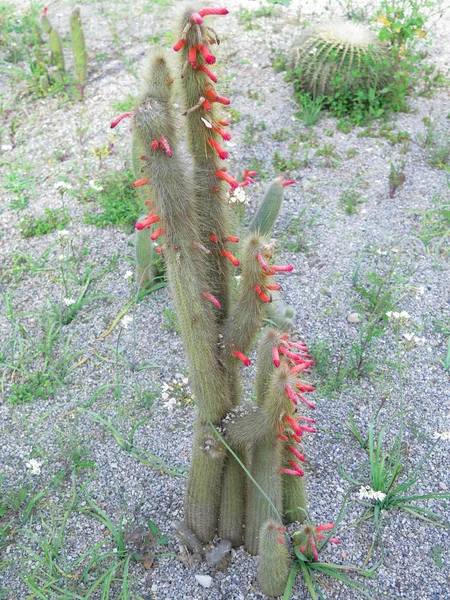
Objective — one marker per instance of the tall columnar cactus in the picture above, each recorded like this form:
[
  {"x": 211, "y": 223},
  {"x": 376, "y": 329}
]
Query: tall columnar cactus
[
  {"x": 79, "y": 48},
  {"x": 56, "y": 49},
  {"x": 340, "y": 55},
  {"x": 189, "y": 211}
]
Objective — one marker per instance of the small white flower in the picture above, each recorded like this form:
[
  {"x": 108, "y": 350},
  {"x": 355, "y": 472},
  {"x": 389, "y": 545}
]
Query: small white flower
[
  {"x": 413, "y": 339},
  {"x": 365, "y": 491},
  {"x": 397, "y": 317},
  {"x": 61, "y": 258},
  {"x": 34, "y": 466},
  {"x": 62, "y": 186},
  {"x": 95, "y": 187},
  {"x": 170, "y": 404},
  {"x": 69, "y": 301},
  {"x": 128, "y": 275},
  {"x": 445, "y": 435},
  {"x": 126, "y": 320},
  {"x": 379, "y": 496},
  {"x": 238, "y": 196},
  {"x": 63, "y": 233}
]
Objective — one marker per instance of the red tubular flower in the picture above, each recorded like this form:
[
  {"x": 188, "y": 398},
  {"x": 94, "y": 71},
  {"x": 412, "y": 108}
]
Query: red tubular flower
[
  {"x": 224, "y": 134},
  {"x": 157, "y": 233},
  {"x": 308, "y": 419},
  {"x": 231, "y": 238},
  {"x": 213, "y": 299},
  {"x": 308, "y": 429},
  {"x": 213, "y": 97},
  {"x": 179, "y": 45},
  {"x": 304, "y": 387},
  {"x": 332, "y": 540},
  {"x": 283, "y": 437},
  {"x": 207, "y": 72},
  {"x": 300, "y": 367},
  {"x": 280, "y": 540},
  {"x": 192, "y": 55},
  {"x": 160, "y": 249},
  {"x": 205, "y": 12},
  {"x": 325, "y": 527},
  {"x": 290, "y": 182},
  {"x": 291, "y": 355},
  {"x": 139, "y": 183},
  {"x": 118, "y": 119},
  {"x": 313, "y": 548},
  {"x": 155, "y": 145},
  {"x": 243, "y": 183},
  {"x": 209, "y": 58},
  {"x": 251, "y": 173},
  {"x": 165, "y": 144},
  {"x": 220, "y": 151},
  {"x": 296, "y": 453},
  {"x": 275, "y": 356},
  {"x": 307, "y": 402},
  {"x": 295, "y": 426},
  {"x": 228, "y": 178},
  {"x": 262, "y": 262},
  {"x": 147, "y": 222},
  {"x": 295, "y": 466},
  {"x": 196, "y": 18},
  {"x": 213, "y": 238},
  {"x": 291, "y": 472},
  {"x": 230, "y": 257},
  {"x": 273, "y": 287},
  {"x": 281, "y": 269},
  {"x": 44, "y": 12},
  {"x": 296, "y": 437},
  {"x": 206, "y": 105},
  {"x": 299, "y": 345},
  {"x": 292, "y": 396},
  {"x": 262, "y": 296},
  {"x": 241, "y": 356}
]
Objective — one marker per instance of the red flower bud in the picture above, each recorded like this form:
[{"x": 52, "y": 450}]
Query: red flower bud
[
  {"x": 230, "y": 257},
  {"x": 212, "y": 11},
  {"x": 224, "y": 134},
  {"x": 192, "y": 55},
  {"x": 209, "y": 58},
  {"x": 275, "y": 356},
  {"x": 147, "y": 222},
  {"x": 139, "y": 183},
  {"x": 118, "y": 119},
  {"x": 157, "y": 233},
  {"x": 220, "y": 151},
  {"x": 165, "y": 144},
  {"x": 274, "y": 287},
  {"x": 214, "y": 239},
  {"x": 241, "y": 356},
  {"x": 207, "y": 72},
  {"x": 196, "y": 18},
  {"x": 212, "y": 298},
  {"x": 290, "y": 182},
  {"x": 228, "y": 178},
  {"x": 179, "y": 45},
  {"x": 233, "y": 239},
  {"x": 264, "y": 297}
]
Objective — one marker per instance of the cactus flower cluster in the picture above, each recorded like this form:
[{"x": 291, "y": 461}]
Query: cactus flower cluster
[{"x": 189, "y": 217}]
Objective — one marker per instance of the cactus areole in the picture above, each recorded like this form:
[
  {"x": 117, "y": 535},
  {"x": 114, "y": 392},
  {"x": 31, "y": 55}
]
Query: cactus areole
[{"x": 189, "y": 217}]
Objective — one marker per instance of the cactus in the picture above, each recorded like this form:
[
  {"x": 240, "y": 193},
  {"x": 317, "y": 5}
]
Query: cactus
[
  {"x": 274, "y": 561},
  {"x": 189, "y": 211},
  {"x": 79, "y": 48},
  {"x": 56, "y": 49},
  {"x": 340, "y": 56}
]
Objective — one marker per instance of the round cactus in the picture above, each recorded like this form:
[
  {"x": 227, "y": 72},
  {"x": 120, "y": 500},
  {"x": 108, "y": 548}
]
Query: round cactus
[{"x": 341, "y": 55}]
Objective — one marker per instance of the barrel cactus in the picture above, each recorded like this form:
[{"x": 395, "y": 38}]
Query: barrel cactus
[{"x": 340, "y": 56}]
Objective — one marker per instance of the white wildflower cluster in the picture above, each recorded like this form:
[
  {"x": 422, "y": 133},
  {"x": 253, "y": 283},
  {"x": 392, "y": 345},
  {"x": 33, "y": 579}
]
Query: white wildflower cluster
[
  {"x": 128, "y": 275},
  {"x": 34, "y": 466},
  {"x": 398, "y": 317},
  {"x": 62, "y": 187},
  {"x": 238, "y": 196},
  {"x": 412, "y": 340},
  {"x": 176, "y": 391},
  {"x": 69, "y": 301},
  {"x": 366, "y": 492},
  {"x": 445, "y": 435}
]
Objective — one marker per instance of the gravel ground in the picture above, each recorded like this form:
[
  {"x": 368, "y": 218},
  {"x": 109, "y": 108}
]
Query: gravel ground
[{"x": 414, "y": 556}]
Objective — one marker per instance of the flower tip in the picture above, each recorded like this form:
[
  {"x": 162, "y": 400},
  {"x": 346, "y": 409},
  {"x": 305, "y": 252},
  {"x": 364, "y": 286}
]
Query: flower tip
[
  {"x": 196, "y": 18},
  {"x": 289, "y": 182}
]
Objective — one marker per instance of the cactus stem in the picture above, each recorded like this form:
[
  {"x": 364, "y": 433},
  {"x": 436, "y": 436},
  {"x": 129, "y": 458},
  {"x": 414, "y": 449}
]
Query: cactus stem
[
  {"x": 157, "y": 233},
  {"x": 212, "y": 298},
  {"x": 241, "y": 356},
  {"x": 262, "y": 296},
  {"x": 232, "y": 238},
  {"x": 220, "y": 151},
  {"x": 205, "y": 12},
  {"x": 119, "y": 118},
  {"x": 289, "y": 182},
  {"x": 213, "y": 97},
  {"x": 230, "y": 257},
  {"x": 228, "y": 178},
  {"x": 140, "y": 182}
]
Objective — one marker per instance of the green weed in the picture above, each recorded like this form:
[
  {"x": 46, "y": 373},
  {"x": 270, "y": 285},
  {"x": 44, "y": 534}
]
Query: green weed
[
  {"x": 52, "y": 220},
  {"x": 309, "y": 109}
]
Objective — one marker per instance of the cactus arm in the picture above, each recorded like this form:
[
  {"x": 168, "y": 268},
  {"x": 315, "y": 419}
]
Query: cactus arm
[
  {"x": 79, "y": 48},
  {"x": 144, "y": 253},
  {"x": 266, "y": 215},
  {"x": 233, "y": 500},
  {"x": 56, "y": 51},
  {"x": 274, "y": 560}
]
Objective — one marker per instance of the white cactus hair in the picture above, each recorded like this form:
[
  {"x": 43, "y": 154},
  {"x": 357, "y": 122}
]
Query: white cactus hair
[{"x": 343, "y": 50}]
